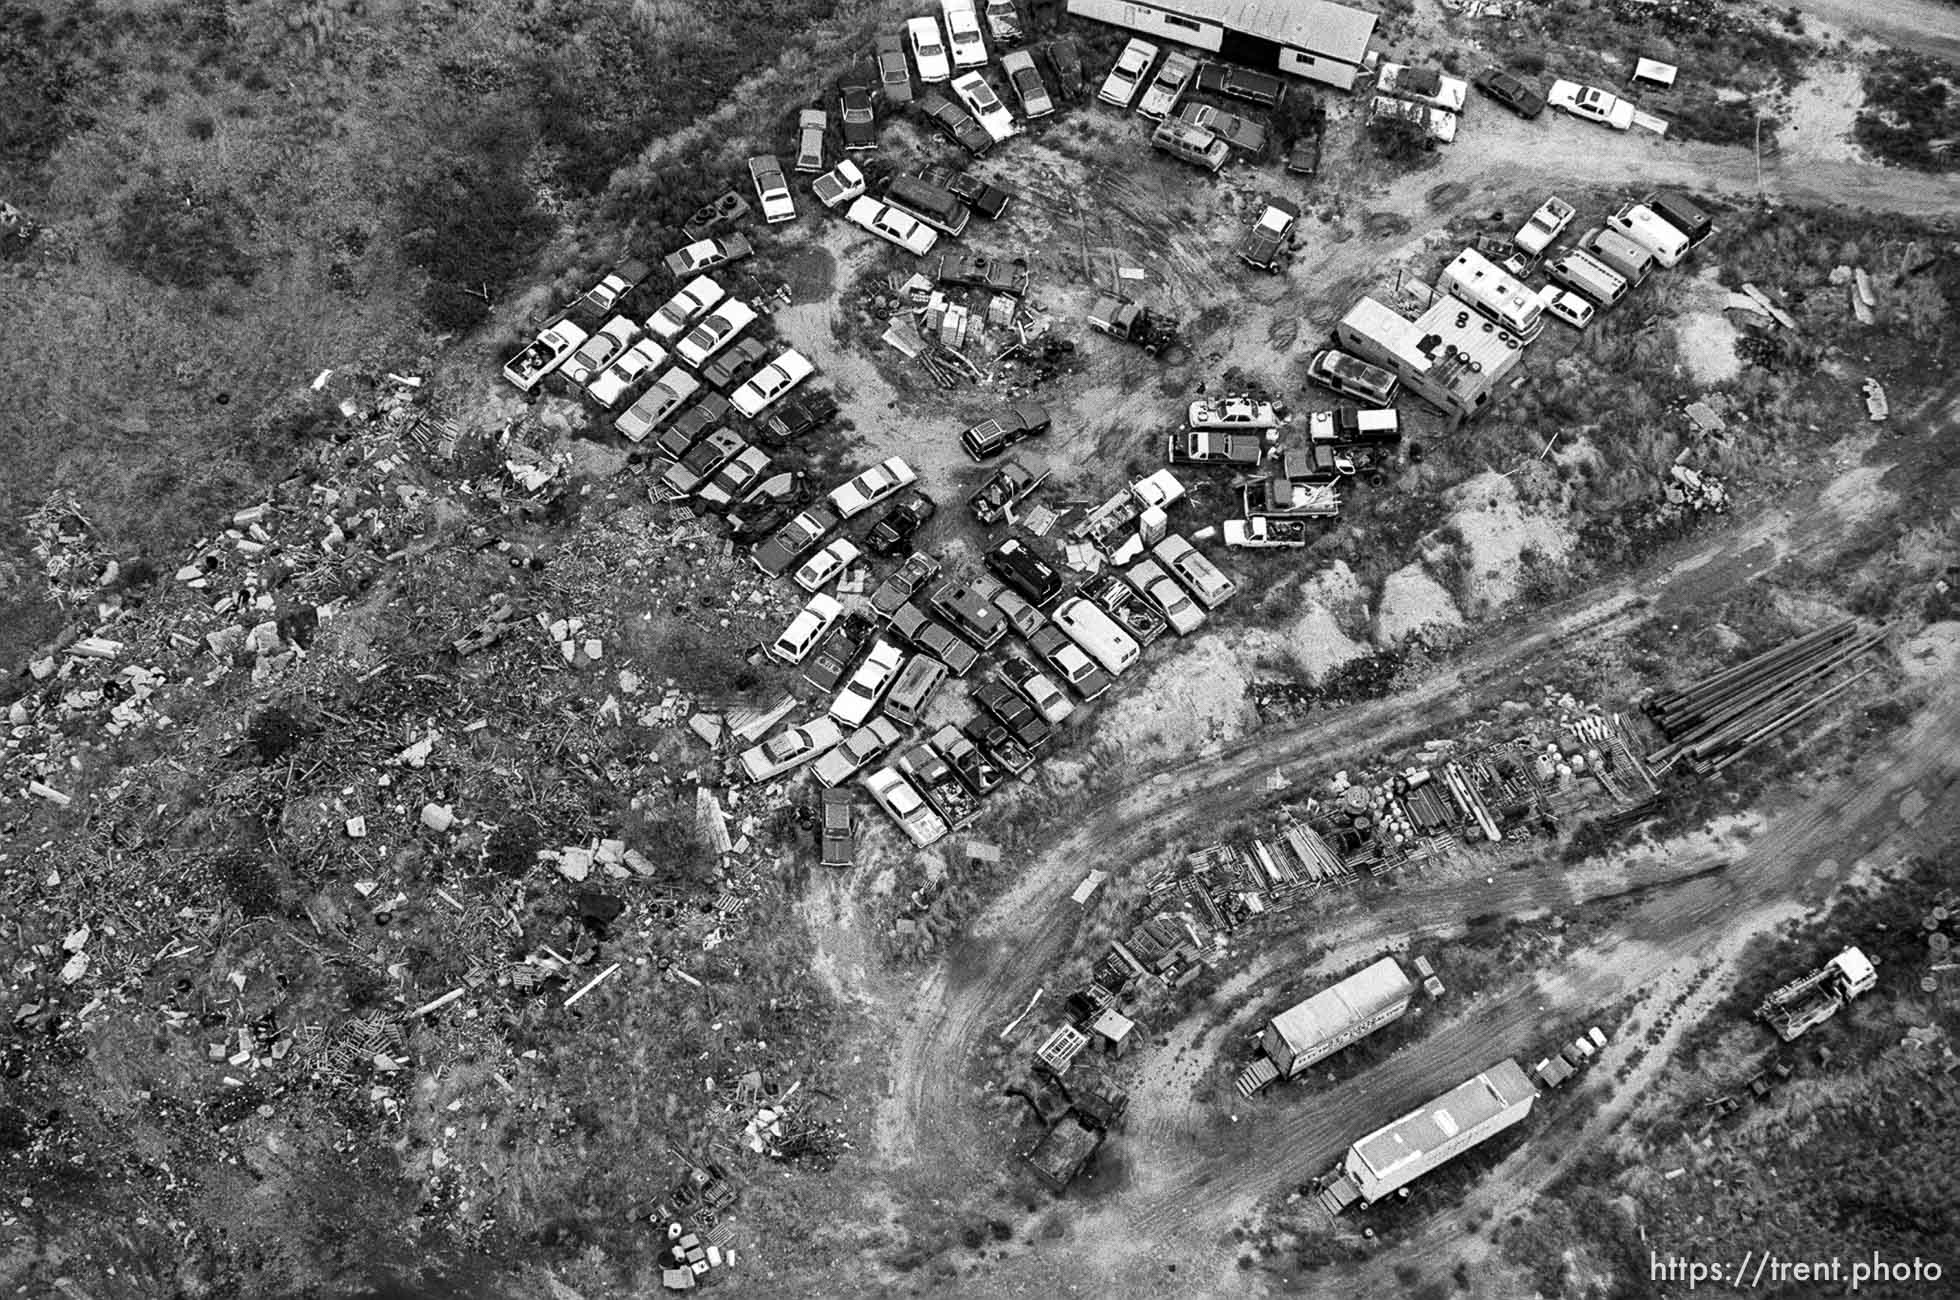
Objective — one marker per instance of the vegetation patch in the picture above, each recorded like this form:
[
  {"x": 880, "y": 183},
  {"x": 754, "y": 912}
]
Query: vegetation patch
[{"x": 1912, "y": 111}]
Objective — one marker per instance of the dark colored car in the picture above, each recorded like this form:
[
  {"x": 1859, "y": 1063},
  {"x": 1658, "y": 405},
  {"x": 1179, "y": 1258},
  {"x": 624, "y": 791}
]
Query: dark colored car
[
  {"x": 1016, "y": 564},
  {"x": 1303, "y": 159},
  {"x": 894, "y": 74},
  {"x": 838, "y": 652},
  {"x": 782, "y": 489},
  {"x": 860, "y": 121},
  {"x": 1013, "y": 712},
  {"x": 958, "y": 125},
  {"x": 1066, "y": 60},
  {"x": 1509, "y": 89},
  {"x": 1240, "y": 83},
  {"x": 989, "y": 201},
  {"x": 674, "y": 440},
  {"x": 724, "y": 366},
  {"x": 991, "y": 437},
  {"x": 966, "y": 609},
  {"x": 798, "y": 415},
  {"x": 749, "y": 525},
  {"x": 702, "y": 460},
  {"x": 775, "y": 556},
  {"x": 935, "y": 638},
  {"x": 905, "y": 582},
  {"x": 894, "y": 532}
]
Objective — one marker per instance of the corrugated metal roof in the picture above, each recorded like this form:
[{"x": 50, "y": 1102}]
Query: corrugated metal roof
[
  {"x": 1466, "y": 1107},
  {"x": 1328, "y": 1012},
  {"x": 1321, "y": 26}
]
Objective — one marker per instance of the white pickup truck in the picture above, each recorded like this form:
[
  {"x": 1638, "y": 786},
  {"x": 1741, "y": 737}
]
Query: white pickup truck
[
  {"x": 1546, "y": 224},
  {"x": 1264, "y": 531}
]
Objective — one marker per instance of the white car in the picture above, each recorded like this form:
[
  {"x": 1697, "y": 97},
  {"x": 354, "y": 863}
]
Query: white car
[
  {"x": 1172, "y": 80},
  {"x": 1120, "y": 87},
  {"x": 904, "y": 804},
  {"x": 1591, "y": 103},
  {"x": 1039, "y": 689},
  {"x": 868, "y": 684},
  {"x": 695, "y": 297},
  {"x": 657, "y": 404},
  {"x": 928, "y": 49},
  {"x": 827, "y": 565},
  {"x": 963, "y": 34},
  {"x": 858, "y": 748},
  {"x": 985, "y": 105},
  {"x": 544, "y": 354},
  {"x": 893, "y": 226},
  {"x": 792, "y": 748},
  {"x": 597, "y": 352},
  {"x": 772, "y": 189},
  {"x": 1161, "y": 590},
  {"x": 1567, "y": 306},
  {"x": 1545, "y": 225},
  {"x": 1233, "y": 412},
  {"x": 872, "y": 486},
  {"x": 840, "y": 184},
  {"x": 772, "y": 383},
  {"x": 806, "y": 629},
  {"x": 1157, "y": 490},
  {"x": 609, "y": 386},
  {"x": 715, "y": 332},
  {"x": 1025, "y": 80}
]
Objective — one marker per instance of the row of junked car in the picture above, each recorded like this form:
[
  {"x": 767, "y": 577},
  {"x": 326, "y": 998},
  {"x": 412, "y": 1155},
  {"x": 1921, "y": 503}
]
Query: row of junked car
[
  {"x": 1606, "y": 261},
  {"x": 901, "y": 653}
]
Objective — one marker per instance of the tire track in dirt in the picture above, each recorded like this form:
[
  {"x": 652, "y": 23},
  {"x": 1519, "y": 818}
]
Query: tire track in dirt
[{"x": 1720, "y": 911}]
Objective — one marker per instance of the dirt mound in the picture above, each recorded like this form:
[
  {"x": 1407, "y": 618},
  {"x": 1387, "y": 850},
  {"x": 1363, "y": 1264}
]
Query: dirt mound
[
  {"x": 1411, "y": 601},
  {"x": 1495, "y": 536}
]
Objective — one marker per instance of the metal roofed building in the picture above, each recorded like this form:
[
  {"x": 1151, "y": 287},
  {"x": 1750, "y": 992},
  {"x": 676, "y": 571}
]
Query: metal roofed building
[
  {"x": 1429, "y": 1136},
  {"x": 1317, "y": 39},
  {"x": 1334, "y": 1017},
  {"x": 1450, "y": 356}
]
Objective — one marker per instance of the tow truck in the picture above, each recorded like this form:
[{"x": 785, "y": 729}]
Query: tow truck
[
  {"x": 1112, "y": 516},
  {"x": 1215, "y": 447},
  {"x": 1131, "y": 322},
  {"x": 1261, "y": 531}
]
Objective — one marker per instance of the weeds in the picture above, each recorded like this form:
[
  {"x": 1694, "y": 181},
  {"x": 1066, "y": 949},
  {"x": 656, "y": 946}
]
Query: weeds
[{"x": 1912, "y": 111}]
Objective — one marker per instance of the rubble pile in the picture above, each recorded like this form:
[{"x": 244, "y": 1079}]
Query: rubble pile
[{"x": 380, "y": 779}]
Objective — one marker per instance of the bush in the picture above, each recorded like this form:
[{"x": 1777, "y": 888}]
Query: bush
[
  {"x": 471, "y": 223},
  {"x": 1912, "y": 112},
  {"x": 1399, "y": 141},
  {"x": 170, "y": 233},
  {"x": 42, "y": 81}
]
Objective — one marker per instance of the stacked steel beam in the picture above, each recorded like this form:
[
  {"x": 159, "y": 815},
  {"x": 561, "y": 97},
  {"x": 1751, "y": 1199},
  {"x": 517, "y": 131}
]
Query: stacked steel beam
[{"x": 1719, "y": 719}]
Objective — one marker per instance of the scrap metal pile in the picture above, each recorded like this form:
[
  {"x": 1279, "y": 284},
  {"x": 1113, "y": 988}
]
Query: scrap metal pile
[
  {"x": 1501, "y": 793},
  {"x": 1723, "y": 717}
]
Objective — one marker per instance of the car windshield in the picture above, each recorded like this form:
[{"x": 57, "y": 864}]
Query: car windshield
[{"x": 929, "y": 50}]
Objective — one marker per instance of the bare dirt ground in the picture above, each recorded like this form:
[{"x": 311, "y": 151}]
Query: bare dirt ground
[{"x": 1168, "y": 1196}]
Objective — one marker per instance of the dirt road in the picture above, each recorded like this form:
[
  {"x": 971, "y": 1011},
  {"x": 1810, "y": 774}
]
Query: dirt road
[{"x": 1929, "y": 26}]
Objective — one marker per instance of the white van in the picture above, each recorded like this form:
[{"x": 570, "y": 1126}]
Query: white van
[
  {"x": 1644, "y": 227},
  {"x": 1580, "y": 270},
  {"x": 1097, "y": 633}
]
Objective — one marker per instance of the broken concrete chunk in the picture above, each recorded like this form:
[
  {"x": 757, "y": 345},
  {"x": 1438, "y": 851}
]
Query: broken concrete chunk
[
  {"x": 438, "y": 817},
  {"x": 357, "y": 828},
  {"x": 74, "y": 968},
  {"x": 575, "y": 864},
  {"x": 42, "y": 669},
  {"x": 48, "y": 792}
]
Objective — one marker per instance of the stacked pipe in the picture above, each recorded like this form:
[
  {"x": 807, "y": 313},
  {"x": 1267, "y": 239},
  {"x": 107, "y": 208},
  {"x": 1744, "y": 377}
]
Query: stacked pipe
[{"x": 1719, "y": 719}]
